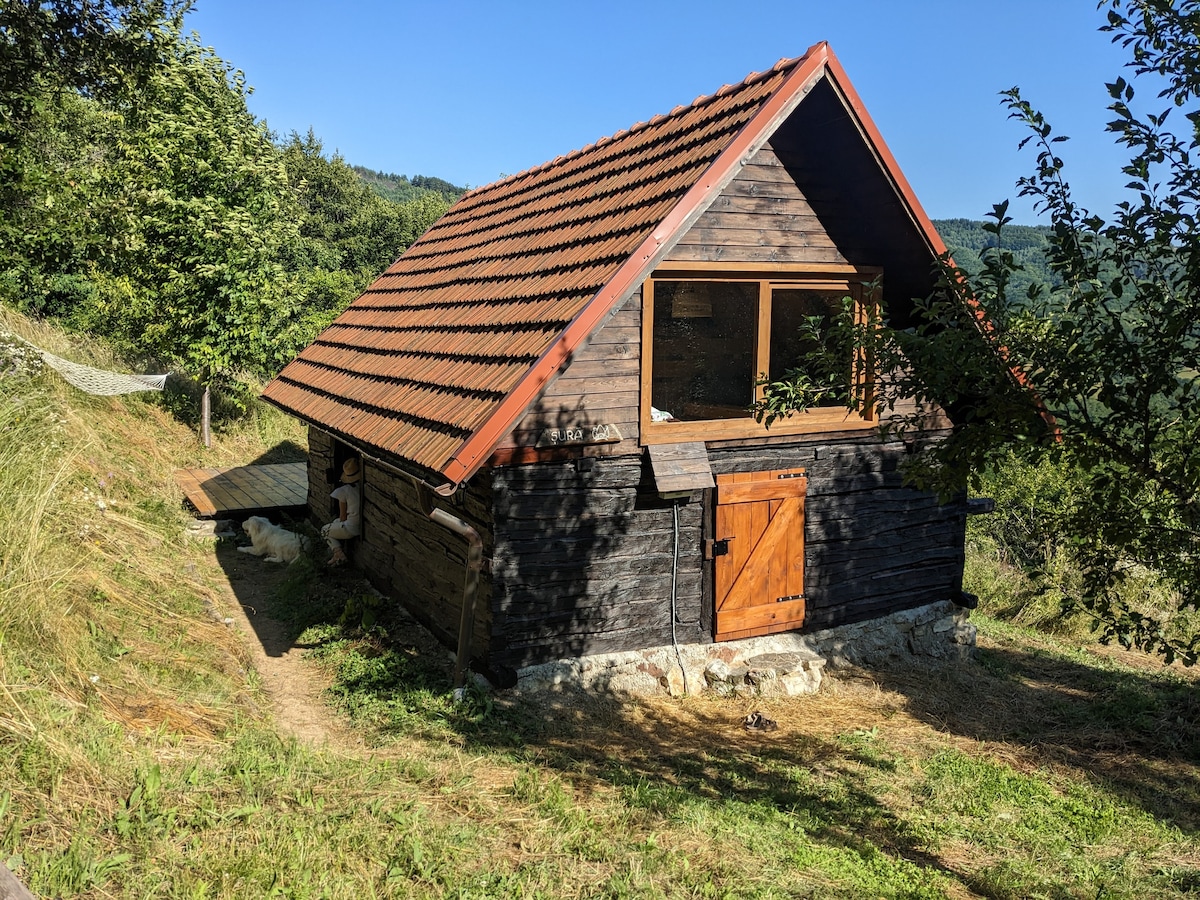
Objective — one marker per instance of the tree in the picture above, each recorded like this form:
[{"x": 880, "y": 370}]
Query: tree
[
  {"x": 157, "y": 217},
  {"x": 98, "y": 48},
  {"x": 1100, "y": 371},
  {"x": 57, "y": 59},
  {"x": 201, "y": 216},
  {"x": 348, "y": 233}
]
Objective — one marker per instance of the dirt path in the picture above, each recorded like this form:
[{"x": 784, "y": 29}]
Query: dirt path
[{"x": 293, "y": 684}]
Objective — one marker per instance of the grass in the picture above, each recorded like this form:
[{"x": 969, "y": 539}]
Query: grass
[{"x": 139, "y": 758}]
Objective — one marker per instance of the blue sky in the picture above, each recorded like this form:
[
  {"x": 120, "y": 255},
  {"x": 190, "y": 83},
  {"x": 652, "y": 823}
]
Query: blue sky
[{"x": 473, "y": 91}]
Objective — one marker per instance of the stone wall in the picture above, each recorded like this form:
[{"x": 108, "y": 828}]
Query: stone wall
[{"x": 790, "y": 663}]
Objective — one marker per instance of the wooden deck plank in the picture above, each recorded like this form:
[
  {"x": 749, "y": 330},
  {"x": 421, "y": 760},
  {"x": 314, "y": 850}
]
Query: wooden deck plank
[
  {"x": 222, "y": 487},
  {"x": 238, "y": 488},
  {"x": 244, "y": 489}
]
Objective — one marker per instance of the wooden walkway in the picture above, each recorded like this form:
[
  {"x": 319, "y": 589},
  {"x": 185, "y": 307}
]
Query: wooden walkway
[{"x": 245, "y": 490}]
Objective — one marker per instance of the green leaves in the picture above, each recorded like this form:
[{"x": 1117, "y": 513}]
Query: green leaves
[
  {"x": 1108, "y": 354},
  {"x": 822, "y": 375},
  {"x": 140, "y": 199}
]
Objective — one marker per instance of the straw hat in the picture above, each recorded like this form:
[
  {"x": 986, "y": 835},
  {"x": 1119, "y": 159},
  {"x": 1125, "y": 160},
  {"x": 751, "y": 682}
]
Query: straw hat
[{"x": 350, "y": 471}]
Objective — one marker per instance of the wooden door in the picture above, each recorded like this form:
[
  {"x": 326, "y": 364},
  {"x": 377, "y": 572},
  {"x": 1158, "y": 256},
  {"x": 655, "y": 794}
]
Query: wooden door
[{"x": 759, "y": 553}]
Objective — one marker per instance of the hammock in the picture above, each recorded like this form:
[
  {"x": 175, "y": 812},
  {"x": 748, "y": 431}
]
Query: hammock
[{"x": 98, "y": 381}]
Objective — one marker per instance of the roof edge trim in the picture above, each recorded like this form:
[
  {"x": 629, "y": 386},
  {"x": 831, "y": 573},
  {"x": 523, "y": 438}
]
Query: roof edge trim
[
  {"x": 474, "y": 452},
  {"x": 884, "y": 154}
]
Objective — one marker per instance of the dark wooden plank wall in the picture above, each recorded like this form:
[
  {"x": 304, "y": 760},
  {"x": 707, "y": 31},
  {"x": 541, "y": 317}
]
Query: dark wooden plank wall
[
  {"x": 408, "y": 557},
  {"x": 422, "y": 564},
  {"x": 320, "y": 462},
  {"x": 583, "y": 560},
  {"x": 761, "y": 217},
  {"x": 872, "y": 545},
  {"x": 599, "y": 387}
]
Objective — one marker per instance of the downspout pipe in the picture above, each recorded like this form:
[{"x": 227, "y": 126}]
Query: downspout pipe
[
  {"x": 466, "y": 622},
  {"x": 466, "y": 625}
]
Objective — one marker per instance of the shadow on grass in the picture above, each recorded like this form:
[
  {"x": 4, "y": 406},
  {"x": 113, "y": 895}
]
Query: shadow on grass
[
  {"x": 1135, "y": 733},
  {"x": 666, "y": 759},
  {"x": 1132, "y": 732}
]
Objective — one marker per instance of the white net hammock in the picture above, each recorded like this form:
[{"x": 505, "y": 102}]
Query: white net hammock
[{"x": 95, "y": 381}]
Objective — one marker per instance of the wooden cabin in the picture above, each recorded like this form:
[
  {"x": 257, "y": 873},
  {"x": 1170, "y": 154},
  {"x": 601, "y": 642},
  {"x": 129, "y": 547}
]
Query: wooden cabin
[{"x": 564, "y": 364}]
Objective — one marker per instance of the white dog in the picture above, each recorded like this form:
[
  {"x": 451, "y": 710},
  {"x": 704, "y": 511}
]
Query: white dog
[{"x": 272, "y": 541}]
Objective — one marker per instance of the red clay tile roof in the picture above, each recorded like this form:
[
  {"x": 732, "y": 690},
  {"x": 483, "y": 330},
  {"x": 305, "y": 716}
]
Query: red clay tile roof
[{"x": 438, "y": 359}]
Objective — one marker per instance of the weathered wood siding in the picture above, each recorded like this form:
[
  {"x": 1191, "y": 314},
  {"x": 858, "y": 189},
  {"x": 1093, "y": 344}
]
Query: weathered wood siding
[
  {"x": 583, "y": 560},
  {"x": 872, "y": 545},
  {"x": 598, "y": 387},
  {"x": 320, "y": 463},
  {"x": 409, "y": 558},
  {"x": 765, "y": 216},
  {"x": 762, "y": 216},
  {"x": 419, "y": 563}
]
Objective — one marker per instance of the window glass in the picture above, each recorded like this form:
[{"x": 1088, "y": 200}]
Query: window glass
[
  {"x": 704, "y": 353},
  {"x": 800, "y": 319}
]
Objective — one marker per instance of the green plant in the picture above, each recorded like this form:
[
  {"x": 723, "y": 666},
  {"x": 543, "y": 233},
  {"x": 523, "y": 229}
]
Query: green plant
[
  {"x": 361, "y": 611},
  {"x": 1095, "y": 372}
]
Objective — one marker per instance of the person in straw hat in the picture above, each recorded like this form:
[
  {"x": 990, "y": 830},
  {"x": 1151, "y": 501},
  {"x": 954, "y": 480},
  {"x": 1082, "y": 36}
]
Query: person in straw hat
[{"x": 348, "y": 524}]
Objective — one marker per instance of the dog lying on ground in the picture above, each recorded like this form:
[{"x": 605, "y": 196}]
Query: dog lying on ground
[{"x": 271, "y": 541}]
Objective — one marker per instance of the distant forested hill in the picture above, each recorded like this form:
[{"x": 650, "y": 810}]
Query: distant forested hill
[
  {"x": 402, "y": 189},
  {"x": 967, "y": 240}
]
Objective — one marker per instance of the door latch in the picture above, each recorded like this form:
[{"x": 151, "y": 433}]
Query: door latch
[{"x": 713, "y": 549}]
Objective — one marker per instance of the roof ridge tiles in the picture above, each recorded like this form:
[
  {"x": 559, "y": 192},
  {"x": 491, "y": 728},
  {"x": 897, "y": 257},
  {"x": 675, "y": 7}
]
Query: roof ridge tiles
[{"x": 508, "y": 193}]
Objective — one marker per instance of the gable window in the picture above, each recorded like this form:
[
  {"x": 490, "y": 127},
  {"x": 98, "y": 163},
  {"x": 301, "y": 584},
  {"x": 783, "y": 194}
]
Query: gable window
[{"x": 710, "y": 339}]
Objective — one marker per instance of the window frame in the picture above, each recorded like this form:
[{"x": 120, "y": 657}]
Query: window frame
[{"x": 862, "y": 283}]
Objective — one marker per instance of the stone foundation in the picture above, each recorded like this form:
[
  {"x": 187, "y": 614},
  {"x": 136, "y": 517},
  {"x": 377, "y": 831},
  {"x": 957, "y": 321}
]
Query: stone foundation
[{"x": 783, "y": 664}]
